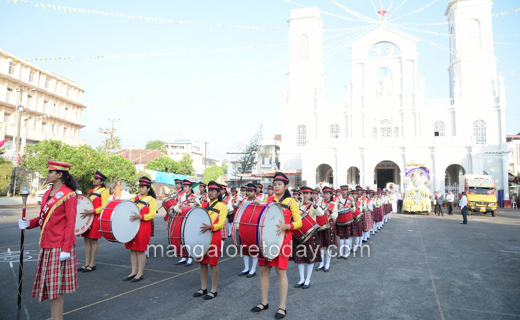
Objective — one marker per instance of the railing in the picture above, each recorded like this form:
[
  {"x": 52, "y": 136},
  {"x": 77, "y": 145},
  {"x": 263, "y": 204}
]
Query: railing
[{"x": 453, "y": 188}]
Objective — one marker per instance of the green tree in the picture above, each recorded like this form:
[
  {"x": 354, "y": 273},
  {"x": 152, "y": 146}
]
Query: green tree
[
  {"x": 212, "y": 173},
  {"x": 163, "y": 164},
  {"x": 118, "y": 168},
  {"x": 6, "y": 169},
  {"x": 248, "y": 159},
  {"x": 186, "y": 165},
  {"x": 225, "y": 166},
  {"x": 156, "y": 145},
  {"x": 109, "y": 146}
]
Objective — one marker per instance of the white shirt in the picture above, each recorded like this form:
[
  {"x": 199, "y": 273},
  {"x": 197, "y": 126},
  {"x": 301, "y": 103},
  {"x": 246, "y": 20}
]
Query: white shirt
[
  {"x": 450, "y": 198},
  {"x": 463, "y": 202}
]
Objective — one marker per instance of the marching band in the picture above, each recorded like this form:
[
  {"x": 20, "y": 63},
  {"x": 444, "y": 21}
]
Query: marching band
[{"x": 304, "y": 226}]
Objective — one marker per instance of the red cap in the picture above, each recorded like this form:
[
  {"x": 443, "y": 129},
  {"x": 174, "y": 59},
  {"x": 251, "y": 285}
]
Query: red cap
[{"x": 58, "y": 166}]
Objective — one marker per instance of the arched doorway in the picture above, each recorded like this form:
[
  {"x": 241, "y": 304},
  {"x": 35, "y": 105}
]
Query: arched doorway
[
  {"x": 353, "y": 176},
  {"x": 324, "y": 174},
  {"x": 385, "y": 172},
  {"x": 451, "y": 178}
]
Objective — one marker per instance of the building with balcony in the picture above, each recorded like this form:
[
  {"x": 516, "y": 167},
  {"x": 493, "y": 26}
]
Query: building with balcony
[
  {"x": 197, "y": 149},
  {"x": 385, "y": 127},
  {"x": 51, "y": 105}
]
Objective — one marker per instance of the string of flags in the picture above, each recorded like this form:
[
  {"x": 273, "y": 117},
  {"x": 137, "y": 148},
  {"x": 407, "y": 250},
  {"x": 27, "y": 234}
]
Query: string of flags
[
  {"x": 155, "y": 54},
  {"x": 503, "y": 13},
  {"x": 83, "y": 11}
]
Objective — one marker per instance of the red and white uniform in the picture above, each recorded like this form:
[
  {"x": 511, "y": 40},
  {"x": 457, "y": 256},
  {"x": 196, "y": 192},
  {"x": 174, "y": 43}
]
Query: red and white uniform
[{"x": 147, "y": 208}]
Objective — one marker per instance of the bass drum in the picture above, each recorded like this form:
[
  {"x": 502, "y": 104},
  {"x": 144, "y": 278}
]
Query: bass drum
[{"x": 83, "y": 224}]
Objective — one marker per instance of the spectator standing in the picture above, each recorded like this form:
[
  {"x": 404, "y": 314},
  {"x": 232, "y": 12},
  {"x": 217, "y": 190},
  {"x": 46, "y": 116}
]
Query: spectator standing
[
  {"x": 117, "y": 191},
  {"x": 450, "y": 198},
  {"x": 463, "y": 204}
]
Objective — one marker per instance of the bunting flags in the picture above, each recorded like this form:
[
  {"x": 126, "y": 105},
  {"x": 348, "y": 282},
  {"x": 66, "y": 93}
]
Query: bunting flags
[
  {"x": 503, "y": 13},
  {"x": 65, "y": 9}
]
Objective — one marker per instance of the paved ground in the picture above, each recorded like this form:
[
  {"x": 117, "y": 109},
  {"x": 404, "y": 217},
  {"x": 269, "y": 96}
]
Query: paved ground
[{"x": 421, "y": 267}]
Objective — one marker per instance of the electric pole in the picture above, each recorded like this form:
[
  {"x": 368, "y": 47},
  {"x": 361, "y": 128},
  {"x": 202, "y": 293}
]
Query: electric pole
[{"x": 111, "y": 133}]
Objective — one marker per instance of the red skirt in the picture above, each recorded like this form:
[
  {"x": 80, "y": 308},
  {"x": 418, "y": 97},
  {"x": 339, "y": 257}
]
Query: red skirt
[
  {"x": 304, "y": 252},
  {"x": 369, "y": 222},
  {"x": 213, "y": 253},
  {"x": 225, "y": 230},
  {"x": 93, "y": 232},
  {"x": 358, "y": 228},
  {"x": 343, "y": 231},
  {"x": 328, "y": 237},
  {"x": 379, "y": 214},
  {"x": 142, "y": 239},
  {"x": 282, "y": 260},
  {"x": 54, "y": 277}
]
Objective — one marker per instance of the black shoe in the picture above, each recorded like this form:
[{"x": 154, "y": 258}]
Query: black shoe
[
  {"x": 258, "y": 309},
  {"x": 137, "y": 279},
  {"x": 243, "y": 273},
  {"x": 189, "y": 264},
  {"x": 319, "y": 268},
  {"x": 299, "y": 285},
  {"x": 200, "y": 293},
  {"x": 280, "y": 315},
  {"x": 180, "y": 262},
  {"x": 82, "y": 269},
  {"x": 89, "y": 269},
  {"x": 306, "y": 286},
  {"x": 250, "y": 275},
  {"x": 210, "y": 295},
  {"x": 463, "y": 223},
  {"x": 339, "y": 257},
  {"x": 326, "y": 270},
  {"x": 345, "y": 257},
  {"x": 129, "y": 278},
  {"x": 364, "y": 241}
]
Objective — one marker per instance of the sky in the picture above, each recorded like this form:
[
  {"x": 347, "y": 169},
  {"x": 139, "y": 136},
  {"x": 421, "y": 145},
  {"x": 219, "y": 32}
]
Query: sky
[{"x": 182, "y": 86}]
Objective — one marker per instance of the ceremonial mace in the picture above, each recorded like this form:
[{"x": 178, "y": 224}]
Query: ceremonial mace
[{"x": 24, "y": 193}]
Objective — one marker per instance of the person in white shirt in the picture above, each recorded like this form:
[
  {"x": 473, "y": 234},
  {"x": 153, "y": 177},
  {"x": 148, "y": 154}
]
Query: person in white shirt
[
  {"x": 464, "y": 208},
  {"x": 450, "y": 198},
  {"x": 399, "y": 202}
]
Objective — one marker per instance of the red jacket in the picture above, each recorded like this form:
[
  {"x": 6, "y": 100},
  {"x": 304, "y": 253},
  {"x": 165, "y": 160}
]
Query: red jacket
[{"x": 58, "y": 228}]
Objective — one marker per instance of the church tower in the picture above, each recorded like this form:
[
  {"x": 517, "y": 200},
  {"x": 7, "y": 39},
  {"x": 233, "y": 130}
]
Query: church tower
[
  {"x": 304, "y": 92},
  {"x": 472, "y": 69}
]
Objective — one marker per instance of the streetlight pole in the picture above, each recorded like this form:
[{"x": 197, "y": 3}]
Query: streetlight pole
[{"x": 24, "y": 193}]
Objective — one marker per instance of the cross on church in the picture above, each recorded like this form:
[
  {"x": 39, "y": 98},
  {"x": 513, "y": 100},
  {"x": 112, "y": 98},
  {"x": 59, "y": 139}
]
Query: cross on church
[{"x": 382, "y": 12}]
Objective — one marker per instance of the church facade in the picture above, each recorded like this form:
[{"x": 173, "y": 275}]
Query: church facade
[{"x": 385, "y": 126}]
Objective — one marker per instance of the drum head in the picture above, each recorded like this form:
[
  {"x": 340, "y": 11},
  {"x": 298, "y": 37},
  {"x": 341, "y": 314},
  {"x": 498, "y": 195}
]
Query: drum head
[
  {"x": 124, "y": 230},
  {"x": 196, "y": 244},
  {"x": 84, "y": 224},
  {"x": 272, "y": 243}
]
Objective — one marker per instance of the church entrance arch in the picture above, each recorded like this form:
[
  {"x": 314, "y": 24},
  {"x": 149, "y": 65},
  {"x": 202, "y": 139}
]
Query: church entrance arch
[
  {"x": 451, "y": 178},
  {"x": 385, "y": 172},
  {"x": 353, "y": 176},
  {"x": 324, "y": 175}
]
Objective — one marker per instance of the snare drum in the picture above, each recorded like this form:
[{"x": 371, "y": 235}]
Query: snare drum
[
  {"x": 82, "y": 225},
  {"x": 236, "y": 223},
  {"x": 114, "y": 223},
  {"x": 307, "y": 229},
  {"x": 184, "y": 233},
  {"x": 323, "y": 222},
  {"x": 169, "y": 203},
  {"x": 345, "y": 217},
  {"x": 257, "y": 224}
]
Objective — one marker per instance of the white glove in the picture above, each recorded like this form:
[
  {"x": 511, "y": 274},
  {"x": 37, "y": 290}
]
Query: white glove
[
  {"x": 64, "y": 256},
  {"x": 23, "y": 224}
]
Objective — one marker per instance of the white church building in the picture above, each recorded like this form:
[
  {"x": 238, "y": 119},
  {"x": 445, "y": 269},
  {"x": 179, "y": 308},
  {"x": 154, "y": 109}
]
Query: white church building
[{"x": 385, "y": 125}]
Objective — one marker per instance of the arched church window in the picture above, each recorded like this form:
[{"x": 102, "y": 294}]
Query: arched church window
[
  {"x": 384, "y": 82},
  {"x": 303, "y": 48},
  {"x": 479, "y": 132},
  {"x": 334, "y": 131},
  {"x": 301, "y": 135},
  {"x": 385, "y": 128},
  {"x": 439, "y": 129},
  {"x": 384, "y": 49}
]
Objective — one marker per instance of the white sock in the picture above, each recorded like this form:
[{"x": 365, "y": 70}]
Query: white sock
[
  {"x": 182, "y": 260},
  {"x": 253, "y": 268},
  {"x": 222, "y": 249},
  {"x": 328, "y": 256},
  {"x": 322, "y": 251},
  {"x": 190, "y": 260},
  {"x": 341, "y": 246},
  {"x": 246, "y": 264},
  {"x": 349, "y": 244},
  {"x": 301, "y": 269},
  {"x": 310, "y": 266},
  {"x": 230, "y": 226}
]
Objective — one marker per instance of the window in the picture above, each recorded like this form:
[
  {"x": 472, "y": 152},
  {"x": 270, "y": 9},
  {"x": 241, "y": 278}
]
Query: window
[
  {"x": 29, "y": 101},
  {"x": 44, "y": 127},
  {"x": 303, "y": 48},
  {"x": 384, "y": 82},
  {"x": 47, "y": 82},
  {"x": 374, "y": 133},
  {"x": 479, "y": 131},
  {"x": 46, "y": 106},
  {"x": 386, "y": 129},
  {"x": 31, "y": 76},
  {"x": 334, "y": 131},
  {"x": 301, "y": 136},
  {"x": 68, "y": 92},
  {"x": 11, "y": 67},
  {"x": 439, "y": 129},
  {"x": 9, "y": 95}
]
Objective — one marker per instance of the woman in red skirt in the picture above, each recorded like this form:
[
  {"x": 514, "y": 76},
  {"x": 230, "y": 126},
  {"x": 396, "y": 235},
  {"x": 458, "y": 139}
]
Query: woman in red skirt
[
  {"x": 99, "y": 197},
  {"x": 291, "y": 209},
  {"x": 56, "y": 270},
  {"x": 187, "y": 200},
  {"x": 147, "y": 209},
  {"x": 218, "y": 213},
  {"x": 327, "y": 237}
]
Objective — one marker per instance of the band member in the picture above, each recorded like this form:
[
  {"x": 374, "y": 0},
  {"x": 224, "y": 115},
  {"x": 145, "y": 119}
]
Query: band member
[
  {"x": 378, "y": 202},
  {"x": 282, "y": 196},
  {"x": 202, "y": 195},
  {"x": 270, "y": 194},
  {"x": 226, "y": 199},
  {"x": 296, "y": 195},
  {"x": 232, "y": 206},
  {"x": 218, "y": 213},
  {"x": 99, "y": 197},
  {"x": 343, "y": 230},
  {"x": 326, "y": 206},
  {"x": 251, "y": 194},
  {"x": 315, "y": 195},
  {"x": 358, "y": 211},
  {"x": 147, "y": 205},
  {"x": 260, "y": 192},
  {"x": 56, "y": 269},
  {"x": 243, "y": 193},
  {"x": 305, "y": 255},
  {"x": 186, "y": 200},
  {"x": 369, "y": 221},
  {"x": 175, "y": 194}
]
